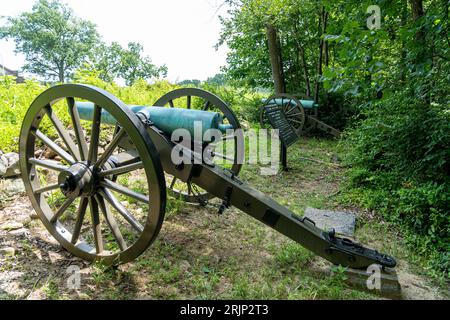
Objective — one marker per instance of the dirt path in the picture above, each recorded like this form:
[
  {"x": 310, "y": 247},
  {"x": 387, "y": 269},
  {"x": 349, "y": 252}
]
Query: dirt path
[{"x": 198, "y": 254}]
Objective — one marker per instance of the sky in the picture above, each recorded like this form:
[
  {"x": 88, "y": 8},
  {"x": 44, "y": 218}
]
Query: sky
[{"x": 178, "y": 33}]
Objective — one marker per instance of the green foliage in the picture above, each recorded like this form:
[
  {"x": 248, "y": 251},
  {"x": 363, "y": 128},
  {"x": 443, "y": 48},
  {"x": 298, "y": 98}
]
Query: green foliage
[
  {"x": 245, "y": 102},
  {"x": 15, "y": 99},
  {"x": 400, "y": 155},
  {"x": 244, "y": 33},
  {"x": 54, "y": 41},
  {"x": 390, "y": 84},
  {"x": 218, "y": 79},
  {"x": 141, "y": 92},
  {"x": 14, "y": 102},
  {"x": 292, "y": 256},
  {"x": 128, "y": 64},
  {"x": 190, "y": 82}
]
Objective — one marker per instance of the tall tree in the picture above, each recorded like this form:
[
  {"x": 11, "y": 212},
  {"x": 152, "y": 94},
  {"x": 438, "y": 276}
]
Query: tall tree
[
  {"x": 54, "y": 41},
  {"x": 275, "y": 59},
  {"x": 134, "y": 65},
  {"x": 255, "y": 54},
  {"x": 323, "y": 20},
  {"x": 129, "y": 64},
  {"x": 107, "y": 61}
]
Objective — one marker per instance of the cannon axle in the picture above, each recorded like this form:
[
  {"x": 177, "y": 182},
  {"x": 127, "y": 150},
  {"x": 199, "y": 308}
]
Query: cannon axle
[{"x": 78, "y": 180}]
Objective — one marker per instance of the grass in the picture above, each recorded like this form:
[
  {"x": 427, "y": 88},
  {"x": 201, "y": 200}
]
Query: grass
[{"x": 202, "y": 255}]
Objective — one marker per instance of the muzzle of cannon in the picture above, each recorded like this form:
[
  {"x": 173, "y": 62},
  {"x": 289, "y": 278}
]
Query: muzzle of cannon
[{"x": 102, "y": 195}]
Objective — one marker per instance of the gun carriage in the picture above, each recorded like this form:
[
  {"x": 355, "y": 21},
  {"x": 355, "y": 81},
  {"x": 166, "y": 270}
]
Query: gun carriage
[
  {"x": 96, "y": 164},
  {"x": 302, "y": 114},
  {"x": 293, "y": 117}
]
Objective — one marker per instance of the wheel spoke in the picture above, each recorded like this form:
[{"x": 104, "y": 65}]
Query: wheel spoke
[
  {"x": 122, "y": 169},
  {"x": 172, "y": 184},
  {"x": 52, "y": 145},
  {"x": 46, "y": 189},
  {"x": 206, "y": 105},
  {"x": 125, "y": 191},
  {"x": 171, "y": 104},
  {"x": 295, "y": 114},
  {"x": 95, "y": 134},
  {"x": 110, "y": 149},
  {"x": 63, "y": 132},
  {"x": 222, "y": 156},
  {"x": 189, "y": 101},
  {"x": 111, "y": 223},
  {"x": 96, "y": 226},
  {"x": 53, "y": 165},
  {"x": 293, "y": 120},
  {"x": 115, "y": 203},
  {"x": 290, "y": 110},
  {"x": 61, "y": 210},
  {"x": 79, "y": 221},
  {"x": 79, "y": 134}
]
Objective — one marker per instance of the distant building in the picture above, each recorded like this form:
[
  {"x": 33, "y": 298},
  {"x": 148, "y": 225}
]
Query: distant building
[{"x": 8, "y": 72}]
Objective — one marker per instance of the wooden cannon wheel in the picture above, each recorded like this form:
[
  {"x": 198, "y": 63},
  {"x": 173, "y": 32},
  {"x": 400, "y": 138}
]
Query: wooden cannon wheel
[
  {"x": 232, "y": 149},
  {"x": 292, "y": 109},
  {"x": 78, "y": 191}
]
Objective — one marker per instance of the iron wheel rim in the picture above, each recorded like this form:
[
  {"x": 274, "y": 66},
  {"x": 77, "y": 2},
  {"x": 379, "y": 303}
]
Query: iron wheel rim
[{"x": 146, "y": 150}]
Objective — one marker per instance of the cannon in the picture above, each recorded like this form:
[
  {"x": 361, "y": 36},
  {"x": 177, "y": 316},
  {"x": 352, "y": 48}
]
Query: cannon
[
  {"x": 97, "y": 173},
  {"x": 302, "y": 114},
  {"x": 292, "y": 117}
]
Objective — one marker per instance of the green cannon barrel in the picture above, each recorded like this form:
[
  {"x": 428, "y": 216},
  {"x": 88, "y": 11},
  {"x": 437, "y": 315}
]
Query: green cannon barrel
[
  {"x": 165, "y": 119},
  {"x": 307, "y": 104}
]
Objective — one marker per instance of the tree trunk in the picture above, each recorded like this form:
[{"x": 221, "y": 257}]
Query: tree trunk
[
  {"x": 420, "y": 59},
  {"x": 61, "y": 75},
  {"x": 417, "y": 13},
  {"x": 282, "y": 64},
  {"x": 416, "y": 9},
  {"x": 302, "y": 57},
  {"x": 275, "y": 59},
  {"x": 322, "y": 27},
  {"x": 305, "y": 70},
  {"x": 403, "y": 53}
]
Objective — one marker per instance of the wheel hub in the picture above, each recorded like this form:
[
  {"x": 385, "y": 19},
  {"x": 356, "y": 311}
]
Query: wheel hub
[{"x": 78, "y": 180}]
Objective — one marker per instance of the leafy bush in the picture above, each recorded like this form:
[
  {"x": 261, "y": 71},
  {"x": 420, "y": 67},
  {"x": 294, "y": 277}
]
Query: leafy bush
[
  {"x": 399, "y": 153},
  {"x": 15, "y": 100},
  {"x": 244, "y": 102}
]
